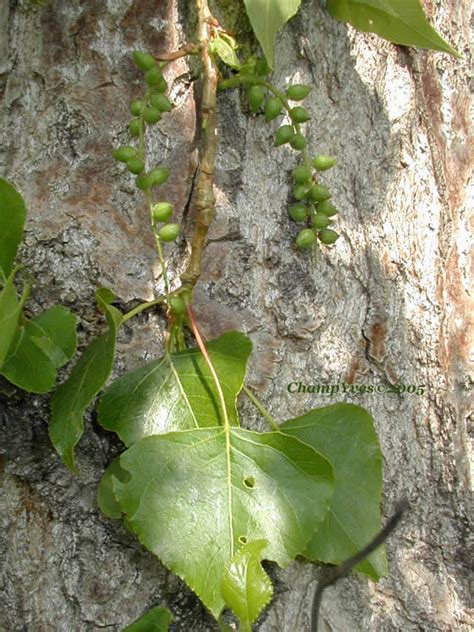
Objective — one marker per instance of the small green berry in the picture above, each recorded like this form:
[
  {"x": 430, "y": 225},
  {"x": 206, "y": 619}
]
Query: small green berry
[
  {"x": 255, "y": 97},
  {"x": 162, "y": 212},
  {"x": 298, "y": 92},
  {"x": 161, "y": 102},
  {"x": 135, "y": 165},
  {"x": 327, "y": 208},
  {"x": 261, "y": 67},
  {"x": 144, "y": 181},
  {"x": 319, "y": 220},
  {"x": 298, "y": 213},
  {"x": 153, "y": 76},
  {"x": 177, "y": 305},
  {"x": 299, "y": 115},
  {"x": 284, "y": 134},
  {"x": 328, "y": 236},
  {"x": 321, "y": 162},
  {"x": 301, "y": 174},
  {"x": 159, "y": 175},
  {"x": 272, "y": 108},
  {"x": 135, "y": 127},
  {"x": 161, "y": 86},
  {"x": 143, "y": 61},
  {"x": 151, "y": 115},
  {"x": 300, "y": 191},
  {"x": 298, "y": 142},
  {"x": 168, "y": 232},
  {"x": 124, "y": 153},
  {"x": 136, "y": 107},
  {"x": 306, "y": 238},
  {"x": 318, "y": 193}
]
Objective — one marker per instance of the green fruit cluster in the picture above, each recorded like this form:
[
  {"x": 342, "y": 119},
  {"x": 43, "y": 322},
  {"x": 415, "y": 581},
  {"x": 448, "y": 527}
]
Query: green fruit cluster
[{"x": 314, "y": 205}]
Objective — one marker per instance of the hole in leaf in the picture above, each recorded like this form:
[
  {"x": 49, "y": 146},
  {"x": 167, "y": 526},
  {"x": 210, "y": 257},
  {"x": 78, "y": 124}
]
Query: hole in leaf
[
  {"x": 242, "y": 539},
  {"x": 249, "y": 482}
]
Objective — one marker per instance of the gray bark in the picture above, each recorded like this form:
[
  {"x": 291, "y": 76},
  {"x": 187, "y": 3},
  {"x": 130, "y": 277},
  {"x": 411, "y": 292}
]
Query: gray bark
[{"x": 387, "y": 304}]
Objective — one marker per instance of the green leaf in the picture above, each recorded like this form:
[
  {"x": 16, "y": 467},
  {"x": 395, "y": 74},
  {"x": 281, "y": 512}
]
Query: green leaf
[
  {"x": 56, "y": 334},
  {"x": 177, "y": 391},
  {"x": 245, "y": 586},
  {"x": 157, "y": 619},
  {"x": 225, "y": 46},
  {"x": 27, "y": 365},
  {"x": 345, "y": 435},
  {"x": 73, "y": 396},
  {"x": 195, "y": 496},
  {"x": 105, "y": 492},
  {"x": 12, "y": 220},
  {"x": 400, "y": 21},
  {"x": 10, "y": 309},
  {"x": 267, "y": 17}
]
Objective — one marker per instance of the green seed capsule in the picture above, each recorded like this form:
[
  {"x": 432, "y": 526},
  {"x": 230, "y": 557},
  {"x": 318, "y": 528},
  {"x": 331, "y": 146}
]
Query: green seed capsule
[
  {"x": 298, "y": 142},
  {"x": 319, "y": 220},
  {"x": 177, "y": 305},
  {"x": 168, "y": 232},
  {"x": 284, "y": 134},
  {"x": 301, "y": 174},
  {"x": 135, "y": 165},
  {"x": 153, "y": 76},
  {"x": 161, "y": 102},
  {"x": 299, "y": 115},
  {"x": 319, "y": 192},
  {"x": 162, "y": 212},
  {"x": 328, "y": 236},
  {"x": 144, "y": 181},
  {"x": 151, "y": 115},
  {"x": 272, "y": 108},
  {"x": 261, "y": 67},
  {"x": 327, "y": 208},
  {"x": 321, "y": 162},
  {"x": 306, "y": 238},
  {"x": 143, "y": 61},
  {"x": 124, "y": 153},
  {"x": 298, "y": 92},
  {"x": 135, "y": 127},
  {"x": 300, "y": 191},
  {"x": 159, "y": 175},
  {"x": 161, "y": 86},
  {"x": 255, "y": 97},
  {"x": 298, "y": 213},
  {"x": 136, "y": 107}
]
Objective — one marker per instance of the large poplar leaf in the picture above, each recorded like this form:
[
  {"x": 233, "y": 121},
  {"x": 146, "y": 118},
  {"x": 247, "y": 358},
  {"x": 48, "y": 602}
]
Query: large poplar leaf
[
  {"x": 12, "y": 220},
  {"x": 177, "y": 391},
  {"x": 10, "y": 309},
  {"x": 267, "y": 17},
  {"x": 245, "y": 586},
  {"x": 400, "y": 21},
  {"x": 345, "y": 435},
  {"x": 56, "y": 334},
  {"x": 156, "y": 619},
  {"x": 105, "y": 492},
  {"x": 71, "y": 399},
  {"x": 195, "y": 496}
]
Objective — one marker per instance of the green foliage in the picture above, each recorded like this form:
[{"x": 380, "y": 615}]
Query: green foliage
[
  {"x": 12, "y": 220},
  {"x": 157, "y": 619},
  {"x": 400, "y": 21},
  {"x": 10, "y": 310}
]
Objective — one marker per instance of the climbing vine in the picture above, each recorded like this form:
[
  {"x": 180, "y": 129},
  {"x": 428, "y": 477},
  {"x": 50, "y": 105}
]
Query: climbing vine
[{"x": 299, "y": 489}]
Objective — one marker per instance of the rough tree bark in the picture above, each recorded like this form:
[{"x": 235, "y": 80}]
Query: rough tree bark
[{"x": 388, "y": 303}]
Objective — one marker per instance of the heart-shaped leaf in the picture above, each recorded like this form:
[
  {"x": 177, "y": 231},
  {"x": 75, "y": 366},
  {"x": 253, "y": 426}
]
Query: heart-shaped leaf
[
  {"x": 12, "y": 220},
  {"x": 245, "y": 586},
  {"x": 56, "y": 334},
  {"x": 157, "y": 619},
  {"x": 345, "y": 435},
  {"x": 10, "y": 309},
  {"x": 75, "y": 394},
  {"x": 194, "y": 497},
  {"x": 267, "y": 17},
  {"x": 400, "y": 21},
  {"x": 177, "y": 391}
]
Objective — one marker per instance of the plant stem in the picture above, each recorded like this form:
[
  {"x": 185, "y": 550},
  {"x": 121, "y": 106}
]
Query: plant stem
[
  {"x": 204, "y": 205},
  {"x": 261, "y": 408},
  {"x": 188, "y": 49},
  {"x": 141, "y": 308},
  {"x": 159, "y": 249}
]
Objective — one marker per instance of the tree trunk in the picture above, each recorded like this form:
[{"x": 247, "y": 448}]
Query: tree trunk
[{"x": 387, "y": 304}]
